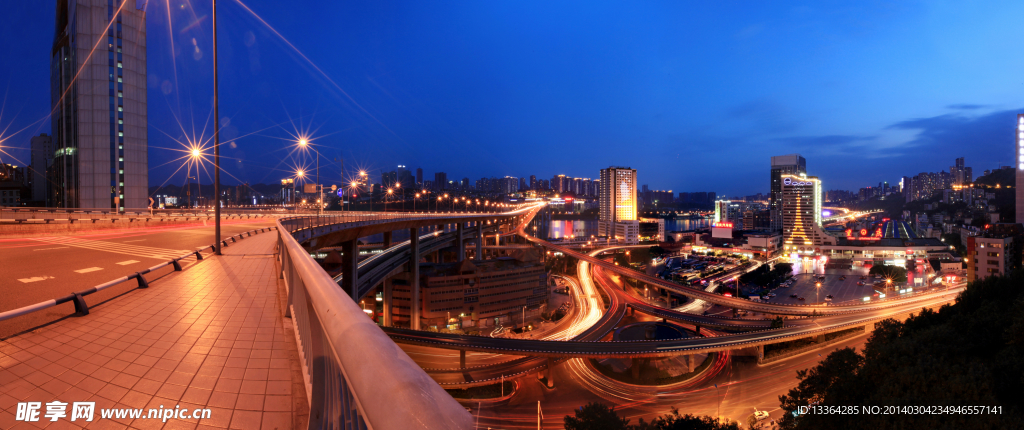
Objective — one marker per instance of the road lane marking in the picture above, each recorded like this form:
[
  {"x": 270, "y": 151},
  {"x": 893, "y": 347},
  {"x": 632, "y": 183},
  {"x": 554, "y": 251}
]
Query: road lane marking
[
  {"x": 91, "y": 269},
  {"x": 47, "y": 249},
  {"x": 125, "y": 263},
  {"x": 35, "y": 278},
  {"x": 117, "y": 248},
  {"x": 136, "y": 240}
]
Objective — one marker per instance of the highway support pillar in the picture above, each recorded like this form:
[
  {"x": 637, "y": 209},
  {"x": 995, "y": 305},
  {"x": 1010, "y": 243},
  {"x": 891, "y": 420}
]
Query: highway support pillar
[
  {"x": 760, "y": 353},
  {"x": 462, "y": 359},
  {"x": 551, "y": 372},
  {"x": 818, "y": 339},
  {"x": 479, "y": 241},
  {"x": 350, "y": 268},
  {"x": 689, "y": 363},
  {"x": 460, "y": 252},
  {"x": 388, "y": 317},
  {"x": 387, "y": 239},
  {"x": 637, "y": 362},
  {"x": 414, "y": 278}
]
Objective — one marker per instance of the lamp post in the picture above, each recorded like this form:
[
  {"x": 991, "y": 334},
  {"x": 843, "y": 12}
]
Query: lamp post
[
  {"x": 414, "y": 199},
  {"x": 299, "y": 174},
  {"x": 304, "y": 144},
  {"x": 216, "y": 138},
  {"x": 398, "y": 188},
  {"x": 387, "y": 197},
  {"x": 817, "y": 288}
]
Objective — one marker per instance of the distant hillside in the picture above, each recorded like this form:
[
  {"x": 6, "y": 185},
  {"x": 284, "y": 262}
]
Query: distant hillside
[{"x": 1001, "y": 177}]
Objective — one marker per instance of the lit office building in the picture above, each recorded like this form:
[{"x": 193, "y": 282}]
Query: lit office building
[
  {"x": 792, "y": 164},
  {"x": 801, "y": 215},
  {"x": 618, "y": 205},
  {"x": 99, "y": 137},
  {"x": 42, "y": 158},
  {"x": 994, "y": 252},
  {"x": 1020, "y": 168}
]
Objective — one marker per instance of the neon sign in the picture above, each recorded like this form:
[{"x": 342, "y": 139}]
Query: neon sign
[
  {"x": 790, "y": 181},
  {"x": 723, "y": 225}
]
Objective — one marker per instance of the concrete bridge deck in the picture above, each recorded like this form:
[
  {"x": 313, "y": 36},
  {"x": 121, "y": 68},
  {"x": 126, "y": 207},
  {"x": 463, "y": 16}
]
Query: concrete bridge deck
[{"x": 212, "y": 336}]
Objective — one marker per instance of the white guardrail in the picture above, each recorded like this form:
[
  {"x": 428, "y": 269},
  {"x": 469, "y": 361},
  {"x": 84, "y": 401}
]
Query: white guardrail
[{"x": 356, "y": 376}]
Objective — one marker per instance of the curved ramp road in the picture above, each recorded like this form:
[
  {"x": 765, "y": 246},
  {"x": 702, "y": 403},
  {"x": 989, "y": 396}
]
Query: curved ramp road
[{"x": 663, "y": 348}]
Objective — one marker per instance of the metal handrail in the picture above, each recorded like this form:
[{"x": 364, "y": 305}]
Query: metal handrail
[{"x": 356, "y": 377}]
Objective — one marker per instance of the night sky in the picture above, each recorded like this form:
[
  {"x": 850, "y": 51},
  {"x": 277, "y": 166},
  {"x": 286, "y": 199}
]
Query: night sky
[{"x": 694, "y": 95}]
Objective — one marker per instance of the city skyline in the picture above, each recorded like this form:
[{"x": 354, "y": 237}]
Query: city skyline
[
  {"x": 262, "y": 214},
  {"x": 378, "y": 128}
]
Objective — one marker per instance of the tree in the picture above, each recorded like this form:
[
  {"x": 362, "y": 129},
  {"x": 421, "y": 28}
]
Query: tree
[
  {"x": 968, "y": 353},
  {"x": 675, "y": 421},
  {"x": 816, "y": 382},
  {"x": 896, "y": 273},
  {"x": 595, "y": 416},
  {"x": 656, "y": 251},
  {"x": 783, "y": 269},
  {"x": 777, "y": 322}
]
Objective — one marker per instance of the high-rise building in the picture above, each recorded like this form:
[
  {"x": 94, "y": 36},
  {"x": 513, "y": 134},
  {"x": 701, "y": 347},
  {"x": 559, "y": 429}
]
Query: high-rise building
[
  {"x": 907, "y": 189},
  {"x": 994, "y": 251},
  {"x": 801, "y": 215},
  {"x": 533, "y": 182},
  {"x": 1019, "y": 192},
  {"x": 559, "y": 184},
  {"x": 419, "y": 176},
  {"x": 42, "y": 159},
  {"x": 99, "y": 137},
  {"x": 792, "y": 164},
  {"x": 618, "y": 204},
  {"x": 440, "y": 181},
  {"x": 508, "y": 185},
  {"x": 404, "y": 177},
  {"x": 388, "y": 179}
]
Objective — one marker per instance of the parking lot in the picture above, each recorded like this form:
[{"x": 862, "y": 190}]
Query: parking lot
[{"x": 841, "y": 290}]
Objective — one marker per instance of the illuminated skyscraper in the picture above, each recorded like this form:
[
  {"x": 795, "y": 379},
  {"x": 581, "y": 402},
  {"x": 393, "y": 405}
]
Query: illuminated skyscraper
[
  {"x": 99, "y": 105},
  {"x": 792, "y": 164},
  {"x": 618, "y": 204},
  {"x": 1020, "y": 167},
  {"x": 801, "y": 215}
]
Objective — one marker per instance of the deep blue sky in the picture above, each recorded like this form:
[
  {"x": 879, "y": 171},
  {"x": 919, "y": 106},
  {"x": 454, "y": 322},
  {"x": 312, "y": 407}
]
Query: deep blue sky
[{"x": 695, "y": 95}]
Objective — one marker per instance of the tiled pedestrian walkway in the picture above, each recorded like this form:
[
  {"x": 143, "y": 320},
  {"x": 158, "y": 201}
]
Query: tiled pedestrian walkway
[{"x": 213, "y": 336}]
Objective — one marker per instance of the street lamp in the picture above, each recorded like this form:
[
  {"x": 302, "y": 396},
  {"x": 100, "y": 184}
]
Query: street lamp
[
  {"x": 417, "y": 197},
  {"x": 216, "y": 137},
  {"x": 304, "y": 144},
  {"x": 386, "y": 198},
  {"x": 817, "y": 288}
]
